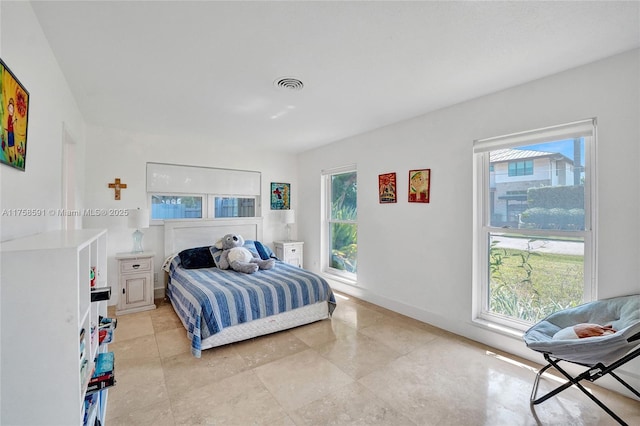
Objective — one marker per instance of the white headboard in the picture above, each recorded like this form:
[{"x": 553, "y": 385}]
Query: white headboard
[{"x": 180, "y": 234}]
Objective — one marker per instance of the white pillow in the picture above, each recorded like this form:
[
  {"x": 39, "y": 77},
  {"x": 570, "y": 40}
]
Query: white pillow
[
  {"x": 167, "y": 262},
  {"x": 566, "y": 333}
]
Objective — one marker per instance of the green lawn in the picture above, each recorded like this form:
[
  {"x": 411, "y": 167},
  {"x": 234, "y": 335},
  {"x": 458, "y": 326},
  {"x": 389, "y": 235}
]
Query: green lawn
[{"x": 532, "y": 285}]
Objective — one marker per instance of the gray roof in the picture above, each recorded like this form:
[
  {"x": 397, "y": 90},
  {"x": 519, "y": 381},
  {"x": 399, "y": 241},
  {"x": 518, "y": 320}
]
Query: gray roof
[{"x": 510, "y": 154}]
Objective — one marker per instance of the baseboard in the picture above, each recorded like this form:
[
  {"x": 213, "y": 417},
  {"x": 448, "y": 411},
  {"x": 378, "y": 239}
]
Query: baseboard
[{"x": 158, "y": 293}]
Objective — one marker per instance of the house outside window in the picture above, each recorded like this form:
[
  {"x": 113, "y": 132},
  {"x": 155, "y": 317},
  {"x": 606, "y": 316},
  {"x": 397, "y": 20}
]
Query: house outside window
[
  {"x": 534, "y": 234},
  {"x": 340, "y": 226}
]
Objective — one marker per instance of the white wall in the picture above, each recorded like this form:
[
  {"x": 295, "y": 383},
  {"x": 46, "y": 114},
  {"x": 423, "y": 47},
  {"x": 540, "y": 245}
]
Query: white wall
[
  {"x": 26, "y": 52},
  {"x": 431, "y": 277},
  {"x": 122, "y": 154}
]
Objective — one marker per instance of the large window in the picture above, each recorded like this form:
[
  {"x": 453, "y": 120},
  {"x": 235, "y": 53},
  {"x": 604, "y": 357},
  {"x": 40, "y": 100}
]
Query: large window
[
  {"x": 341, "y": 222},
  {"x": 534, "y": 229}
]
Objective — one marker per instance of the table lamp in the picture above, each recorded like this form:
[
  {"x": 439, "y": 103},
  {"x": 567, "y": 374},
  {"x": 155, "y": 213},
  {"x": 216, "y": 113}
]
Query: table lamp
[
  {"x": 289, "y": 219},
  {"x": 138, "y": 219}
]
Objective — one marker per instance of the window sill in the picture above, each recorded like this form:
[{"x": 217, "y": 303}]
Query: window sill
[
  {"x": 340, "y": 279},
  {"x": 499, "y": 328}
]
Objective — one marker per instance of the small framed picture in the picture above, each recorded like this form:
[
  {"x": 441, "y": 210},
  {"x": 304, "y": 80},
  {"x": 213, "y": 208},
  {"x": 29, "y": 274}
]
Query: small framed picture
[
  {"x": 280, "y": 196},
  {"x": 419, "y": 185},
  {"x": 387, "y": 188}
]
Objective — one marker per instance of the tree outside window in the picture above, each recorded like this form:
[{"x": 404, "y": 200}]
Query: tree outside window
[{"x": 342, "y": 223}]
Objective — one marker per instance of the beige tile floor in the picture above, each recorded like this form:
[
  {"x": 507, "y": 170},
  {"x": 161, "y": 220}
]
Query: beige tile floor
[{"x": 365, "y": 366}]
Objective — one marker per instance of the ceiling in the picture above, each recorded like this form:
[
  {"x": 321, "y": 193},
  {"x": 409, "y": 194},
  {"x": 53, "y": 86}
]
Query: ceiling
[{"x": 207, "y": 68}]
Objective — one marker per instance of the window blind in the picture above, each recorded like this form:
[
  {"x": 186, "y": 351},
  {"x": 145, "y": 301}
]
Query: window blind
[
  {"x": 583, "y": 128},
  {"x": 174, "y": 178}
]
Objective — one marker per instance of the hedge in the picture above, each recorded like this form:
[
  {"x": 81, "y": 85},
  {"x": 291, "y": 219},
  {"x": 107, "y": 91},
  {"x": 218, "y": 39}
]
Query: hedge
[
  {"x": 564, "y": 197},
  {"x": 556, "y": 218}
]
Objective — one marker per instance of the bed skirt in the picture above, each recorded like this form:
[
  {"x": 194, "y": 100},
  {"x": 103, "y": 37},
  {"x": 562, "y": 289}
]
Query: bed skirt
[{"x": 271, "y": 324}]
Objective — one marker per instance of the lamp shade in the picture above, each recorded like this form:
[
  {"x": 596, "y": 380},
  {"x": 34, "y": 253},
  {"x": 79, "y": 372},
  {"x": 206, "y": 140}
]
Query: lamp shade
[
  {"x": 138, "y": 218},
  {"x": 289, "y": 216}
]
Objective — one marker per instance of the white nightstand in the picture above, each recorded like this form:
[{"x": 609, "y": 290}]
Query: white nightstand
[
  {"x": 135, "y": 276},
  {"x": 290, "y": 252}
]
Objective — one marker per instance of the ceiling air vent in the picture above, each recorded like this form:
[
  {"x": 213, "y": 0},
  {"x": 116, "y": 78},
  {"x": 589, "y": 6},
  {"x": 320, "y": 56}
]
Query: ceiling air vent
[{"x": 289, "y": 83}]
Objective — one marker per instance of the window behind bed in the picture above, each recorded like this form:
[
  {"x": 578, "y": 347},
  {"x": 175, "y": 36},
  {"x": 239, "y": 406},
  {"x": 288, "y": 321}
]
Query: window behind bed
[{"x": 191, "y": 192}]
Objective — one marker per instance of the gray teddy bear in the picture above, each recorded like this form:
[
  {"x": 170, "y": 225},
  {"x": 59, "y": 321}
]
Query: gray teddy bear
[{"x": 240, "y": 258}]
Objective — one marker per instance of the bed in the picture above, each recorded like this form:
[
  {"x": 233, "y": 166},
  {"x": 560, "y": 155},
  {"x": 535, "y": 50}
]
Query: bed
[{"x": 218, "y": 307}]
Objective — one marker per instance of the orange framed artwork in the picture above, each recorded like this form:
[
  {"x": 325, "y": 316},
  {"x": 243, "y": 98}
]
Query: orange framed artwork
[
  {"x": 387, "y": 188},
  {"x": 419, "y": 185}
]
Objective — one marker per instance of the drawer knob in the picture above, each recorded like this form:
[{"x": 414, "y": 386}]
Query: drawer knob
[
  {"x": 293, "y": 250},
  {"x": 136, "y": 266}
]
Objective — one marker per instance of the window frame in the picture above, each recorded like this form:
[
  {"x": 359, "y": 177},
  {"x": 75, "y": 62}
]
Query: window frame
[
  {"x": 208, "y": 206},
  {"x": 327, "y": 221},
  {"x": 482, "y": 216},
  {"x": 150, "y": 196},
  {"x": 211, "y": 205}
]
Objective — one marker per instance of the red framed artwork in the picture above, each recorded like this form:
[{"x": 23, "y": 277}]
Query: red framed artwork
[
  {"x": 387, "y": 188},
  {"x": 419, "y": 185}
]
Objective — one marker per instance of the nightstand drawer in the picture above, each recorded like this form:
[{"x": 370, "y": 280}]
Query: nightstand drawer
[
  {"x": 135, "y": 265},
  {"x": 291, "y": 251}
]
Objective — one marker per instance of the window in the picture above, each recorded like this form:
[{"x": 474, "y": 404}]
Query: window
[
  {"x": 186, "y": 206},
  {"x": 341, "y": 222},
  {"x": 234, "y": 207},
  {"x": 176, "y": 207},
  {"x": 521, "y": 168},
  {"x": 534, "y": 235},
  {"x": 183, "y": 192}
]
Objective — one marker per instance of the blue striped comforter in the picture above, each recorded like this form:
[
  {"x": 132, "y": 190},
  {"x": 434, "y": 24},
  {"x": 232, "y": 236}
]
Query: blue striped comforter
[{"x": 210, "y": 299}]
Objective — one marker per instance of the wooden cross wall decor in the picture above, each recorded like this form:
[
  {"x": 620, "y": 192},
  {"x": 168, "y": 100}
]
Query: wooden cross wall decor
[{"x": 117, "y": 186}]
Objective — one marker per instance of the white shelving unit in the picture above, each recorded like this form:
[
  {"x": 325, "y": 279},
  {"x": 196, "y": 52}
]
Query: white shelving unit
[{"x": 45, "y": 305}]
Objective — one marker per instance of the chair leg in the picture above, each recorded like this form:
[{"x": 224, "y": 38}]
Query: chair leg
[
  {"x": 550, "y": 394},
  {"x": 571, "y": 381},
  {"x": 625, "y": 384}
]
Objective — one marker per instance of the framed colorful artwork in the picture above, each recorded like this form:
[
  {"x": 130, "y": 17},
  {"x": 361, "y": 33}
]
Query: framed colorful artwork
[
  {"x": 387, "y": 188},
  {"x": 419, "y": 185},
  {"x": 280, "y": 196},
  {"x": 14, "y": 116}
]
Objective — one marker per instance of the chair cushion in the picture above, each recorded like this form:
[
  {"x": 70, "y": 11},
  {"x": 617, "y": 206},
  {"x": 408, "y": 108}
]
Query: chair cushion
[{"x": 623, "y": 313}]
